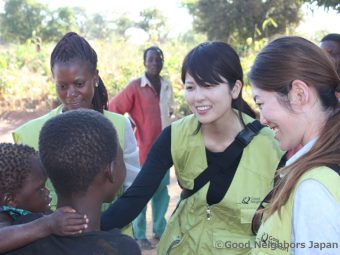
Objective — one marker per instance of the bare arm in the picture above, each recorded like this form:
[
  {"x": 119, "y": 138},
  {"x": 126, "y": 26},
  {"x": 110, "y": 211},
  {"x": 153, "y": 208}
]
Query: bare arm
[{"x": 65, "y": 221}]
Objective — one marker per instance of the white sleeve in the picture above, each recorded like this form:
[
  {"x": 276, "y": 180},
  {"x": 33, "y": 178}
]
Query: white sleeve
[
  {"x": 316, "y": 220},
  {"x": 131, "y": 155}
]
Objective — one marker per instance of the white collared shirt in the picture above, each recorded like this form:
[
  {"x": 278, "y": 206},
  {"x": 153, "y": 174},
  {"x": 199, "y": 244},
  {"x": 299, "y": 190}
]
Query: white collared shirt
[
  {"x": 315, "y": 214},
  {"x": 166, "y": 99}
]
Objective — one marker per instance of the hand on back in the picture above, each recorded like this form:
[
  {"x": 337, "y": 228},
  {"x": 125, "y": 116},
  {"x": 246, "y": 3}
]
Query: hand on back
[{"x": 66, "y": 221}]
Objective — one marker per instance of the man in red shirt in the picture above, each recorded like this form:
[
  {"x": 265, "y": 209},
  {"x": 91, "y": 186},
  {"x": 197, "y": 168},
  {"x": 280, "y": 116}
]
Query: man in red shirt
[{"x": 149, "y": 102}]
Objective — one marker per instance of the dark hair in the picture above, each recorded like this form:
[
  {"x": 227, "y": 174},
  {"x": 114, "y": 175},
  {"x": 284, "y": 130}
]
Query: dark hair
[
  {"x": 74, "y": 47},
  {"x": 331, "y": 37},
  {"x": 74, "y": 147},
  {"x": 155, "y": 48},
  {"x": 294, "y": 58},
  {"x": 15, "y": 166},
  {"x": 210, "y": 63}
]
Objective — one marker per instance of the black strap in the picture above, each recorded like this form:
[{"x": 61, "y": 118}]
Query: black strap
[
  {"x": 235, "y": 148},
  {"x": 336, "y": 168}
]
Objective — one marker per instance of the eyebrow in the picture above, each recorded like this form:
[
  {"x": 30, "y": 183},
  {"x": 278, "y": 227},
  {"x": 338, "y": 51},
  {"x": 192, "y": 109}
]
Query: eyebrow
[{"x": 255, "y": 97}]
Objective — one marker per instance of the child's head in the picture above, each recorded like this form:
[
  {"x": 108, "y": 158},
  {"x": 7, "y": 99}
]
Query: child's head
[
  {"x": 22, "y": 178},
  {"x": 75, "y": 147},
  {"x": 331, "y": 44}
]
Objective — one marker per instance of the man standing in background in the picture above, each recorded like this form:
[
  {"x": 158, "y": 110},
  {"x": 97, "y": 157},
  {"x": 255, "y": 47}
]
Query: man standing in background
[{"x": 149, "y": 102}]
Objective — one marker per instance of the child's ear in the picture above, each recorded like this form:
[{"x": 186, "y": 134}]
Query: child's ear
[
  {"x": 108, "y": 173},
  {"x": 9, "y": 199}
]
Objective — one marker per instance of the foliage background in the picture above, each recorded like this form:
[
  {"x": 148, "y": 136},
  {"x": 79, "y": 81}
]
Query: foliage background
[{"x": 29, "y": 31}]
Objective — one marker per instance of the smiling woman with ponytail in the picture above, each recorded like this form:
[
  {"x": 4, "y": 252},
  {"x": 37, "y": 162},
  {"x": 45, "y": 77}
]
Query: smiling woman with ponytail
[{"x": 294, "y": 84}]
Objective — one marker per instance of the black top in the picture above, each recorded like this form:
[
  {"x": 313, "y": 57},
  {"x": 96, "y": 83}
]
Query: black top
[
  {"x": 159, "y": 160},
  {"x": 91, "y": 243}
]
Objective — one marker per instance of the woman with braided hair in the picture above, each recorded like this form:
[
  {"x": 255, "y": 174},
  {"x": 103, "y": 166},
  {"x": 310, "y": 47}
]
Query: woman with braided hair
[{"x": 78, "y": 85}]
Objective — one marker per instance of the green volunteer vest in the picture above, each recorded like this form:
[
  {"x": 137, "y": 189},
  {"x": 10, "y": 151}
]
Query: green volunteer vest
[
  {"x": 275, "y": 234},
  {"x": 29, "y": 132},
  {"x": 228, "y": 230}
]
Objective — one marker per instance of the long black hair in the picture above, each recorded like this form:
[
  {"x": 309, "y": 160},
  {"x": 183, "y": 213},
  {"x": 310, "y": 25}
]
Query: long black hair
[{"x": 73, "y": 47}]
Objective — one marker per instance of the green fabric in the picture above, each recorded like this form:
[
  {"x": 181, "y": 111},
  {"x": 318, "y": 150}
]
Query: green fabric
[
  {"x": 29, "y": 132},
  {"x": 189, "y": 231},
  {"x": 275, "y": 234},
  {"x": 13, "y": 212}
]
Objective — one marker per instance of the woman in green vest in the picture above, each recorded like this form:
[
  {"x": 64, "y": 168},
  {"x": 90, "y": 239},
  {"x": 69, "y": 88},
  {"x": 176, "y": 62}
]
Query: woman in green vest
[
  {"x": 217, "y": 218},
  {"x": 78, "y": 85},
  {"x": 294, "y": 84}
]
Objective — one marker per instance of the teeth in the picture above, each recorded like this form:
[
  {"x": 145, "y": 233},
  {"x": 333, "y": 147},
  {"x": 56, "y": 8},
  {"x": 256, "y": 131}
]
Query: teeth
[{"x": 202, "y": 108}]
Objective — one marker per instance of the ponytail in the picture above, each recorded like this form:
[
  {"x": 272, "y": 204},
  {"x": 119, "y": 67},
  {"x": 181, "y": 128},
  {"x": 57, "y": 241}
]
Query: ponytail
[{"x": 100, "y": 97}]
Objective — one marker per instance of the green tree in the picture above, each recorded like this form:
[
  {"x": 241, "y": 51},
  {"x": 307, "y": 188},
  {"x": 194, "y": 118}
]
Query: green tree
[
  {"x": 238, "y": 21},
  {"x": 81, "y": 18},
  {"x": 59, "y": 22},
  {"x": 122, "y": 23},
  {"x": 154, "y": 23},
  {"x": 328, "y": 4},
  {"x": 21, "y": 20},
  {"x": 97, "y": 27}
]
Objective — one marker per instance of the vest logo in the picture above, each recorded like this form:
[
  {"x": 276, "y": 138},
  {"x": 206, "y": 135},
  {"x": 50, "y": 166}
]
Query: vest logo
[
  {"x": 264, "y": 237},
  {"x": 250, "y": 200},
  {"x": 266, "y": 242},
  {"x": 245, "y": 200}
]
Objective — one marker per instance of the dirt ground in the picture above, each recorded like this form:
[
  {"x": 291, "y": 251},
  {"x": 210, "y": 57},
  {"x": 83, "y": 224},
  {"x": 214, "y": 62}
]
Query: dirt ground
[{"x": 12, "y": 119}]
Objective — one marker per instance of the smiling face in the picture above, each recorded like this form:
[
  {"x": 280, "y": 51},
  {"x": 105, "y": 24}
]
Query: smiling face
[
  {"x": 74, "y": 84},
  {"x": 209, "y": 103},
  {"x": 282, "y": 120},
  {"x": 34, "y": 196}
]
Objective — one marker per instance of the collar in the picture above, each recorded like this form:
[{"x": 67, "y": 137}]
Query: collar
[
  {"x": 306, "y": 148},
  {"x": 145, "y": 82}
]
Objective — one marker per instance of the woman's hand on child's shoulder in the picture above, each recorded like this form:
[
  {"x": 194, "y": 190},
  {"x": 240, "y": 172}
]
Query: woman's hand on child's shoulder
[{"x": 66, "y": 221}]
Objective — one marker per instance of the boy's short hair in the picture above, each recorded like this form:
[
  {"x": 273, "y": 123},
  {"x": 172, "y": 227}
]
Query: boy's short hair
[
  {"x": 154, "y": 48},
  {"x": 74, "y": 147},
  {"x": 15, "y": 166},
  {"x": 331, "y": 37}
]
